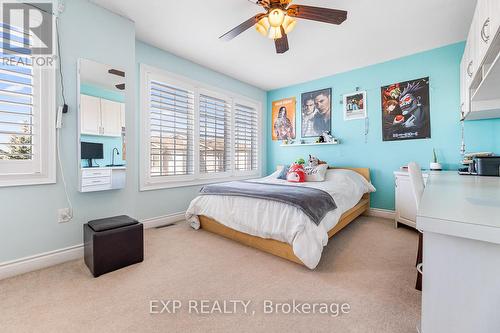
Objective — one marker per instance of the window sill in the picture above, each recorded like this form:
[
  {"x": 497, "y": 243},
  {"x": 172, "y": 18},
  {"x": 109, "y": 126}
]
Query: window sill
[
  {"x": 26, "y": 180},
  {"x": 204, "y": 181}
]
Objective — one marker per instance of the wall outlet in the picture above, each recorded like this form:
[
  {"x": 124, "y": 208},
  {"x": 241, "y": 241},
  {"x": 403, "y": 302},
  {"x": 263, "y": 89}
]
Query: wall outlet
[{"x": 64, "y": 215}]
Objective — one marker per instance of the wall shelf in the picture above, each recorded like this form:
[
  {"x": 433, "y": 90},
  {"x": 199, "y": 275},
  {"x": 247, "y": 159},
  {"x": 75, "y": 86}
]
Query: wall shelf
[{"x": 309, "y": 144}]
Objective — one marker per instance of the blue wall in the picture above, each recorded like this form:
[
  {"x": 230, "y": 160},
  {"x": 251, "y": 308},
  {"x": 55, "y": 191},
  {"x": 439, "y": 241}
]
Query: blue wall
[
  {"x": 383, "y": 158},
  {"x": 93, "y": 90},
  {"x": 109, "y": 143}
]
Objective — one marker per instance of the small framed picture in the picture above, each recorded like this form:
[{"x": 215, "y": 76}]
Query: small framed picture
[{"x": 355, "y": 105}]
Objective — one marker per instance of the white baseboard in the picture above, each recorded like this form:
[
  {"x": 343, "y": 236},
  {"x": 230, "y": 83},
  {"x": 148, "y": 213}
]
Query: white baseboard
[
  {"x": 51, "y": 258},
  {"x": 383, "y": 213},
  {"x": 39, "y": 261},
  {"x": 163, "y": 220}
]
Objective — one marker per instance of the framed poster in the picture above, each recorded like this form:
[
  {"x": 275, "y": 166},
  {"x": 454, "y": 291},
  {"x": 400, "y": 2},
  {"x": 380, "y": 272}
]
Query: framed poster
[
  {"x": 355, "y": 105},
  {"x": 406, "y": 110},
  {"x": 316, "y": 112},
  {"x": 283, "y": 118}
]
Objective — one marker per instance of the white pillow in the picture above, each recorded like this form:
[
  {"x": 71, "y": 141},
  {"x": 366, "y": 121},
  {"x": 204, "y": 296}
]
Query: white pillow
[{"x": 317, "y": 173}]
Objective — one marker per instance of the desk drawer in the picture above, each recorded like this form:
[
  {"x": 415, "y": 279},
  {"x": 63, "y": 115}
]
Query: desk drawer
[
  {"x": 96, "y": 181},
  {"x": 96, "y": 173}
]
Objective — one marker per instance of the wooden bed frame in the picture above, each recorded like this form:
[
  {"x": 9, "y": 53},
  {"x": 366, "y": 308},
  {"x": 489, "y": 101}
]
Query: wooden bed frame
[{"x": 282, "y": 249}]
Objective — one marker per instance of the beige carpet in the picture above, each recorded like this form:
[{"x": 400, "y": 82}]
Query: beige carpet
[{"x": 369, "y": 265}]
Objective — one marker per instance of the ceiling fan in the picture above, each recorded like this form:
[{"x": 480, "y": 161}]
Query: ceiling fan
[
  {"x": 120, "y": 86},
  {"x": 279, "y": 20}
]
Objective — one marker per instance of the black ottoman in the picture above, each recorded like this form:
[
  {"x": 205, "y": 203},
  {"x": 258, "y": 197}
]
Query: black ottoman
[{"x": 112, "y": 243}]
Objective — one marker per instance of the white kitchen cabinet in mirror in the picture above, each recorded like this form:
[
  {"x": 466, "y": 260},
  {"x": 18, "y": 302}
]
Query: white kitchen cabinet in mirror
[{"x": 101, "y": 143}]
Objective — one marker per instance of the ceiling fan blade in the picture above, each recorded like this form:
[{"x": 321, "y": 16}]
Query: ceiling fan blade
[
  {"x": 116, "y": 72},
  {"x": 326, "y": 15},
  {"x": 263, "y": 3},
  {"x": 242, "y": 27},
  {"x": 281, "y": 43}
]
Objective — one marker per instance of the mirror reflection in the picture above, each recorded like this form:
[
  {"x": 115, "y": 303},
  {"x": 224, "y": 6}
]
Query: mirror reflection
[{"x": 102, "y": 148}]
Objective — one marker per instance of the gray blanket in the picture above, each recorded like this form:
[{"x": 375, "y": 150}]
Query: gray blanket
[{"x": 313, "y": 202}]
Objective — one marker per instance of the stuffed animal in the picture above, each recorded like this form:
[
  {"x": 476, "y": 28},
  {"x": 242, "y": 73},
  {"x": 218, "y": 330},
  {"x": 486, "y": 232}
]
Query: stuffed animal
[
  {"x": 296, "y": 174},
  {"x": 327, "y": 137},
  {"x": 314, "y": 161}
]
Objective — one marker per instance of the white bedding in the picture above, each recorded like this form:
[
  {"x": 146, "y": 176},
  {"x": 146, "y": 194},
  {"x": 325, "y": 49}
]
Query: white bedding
[{"x": 276, "y": 220}]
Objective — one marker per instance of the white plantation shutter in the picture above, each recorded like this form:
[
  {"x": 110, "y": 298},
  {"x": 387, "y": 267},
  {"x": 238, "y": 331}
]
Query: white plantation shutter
[
  {"x": 17, "y": 117},
  {"x": 171, "y": 111},
  {"x": 27, "y": 113},
  {"x": 214, "y": 133},
  {"x": 194, "y": 134},
  {"x": 246, "y": 137},
  {"x": 19, "y": 110}
]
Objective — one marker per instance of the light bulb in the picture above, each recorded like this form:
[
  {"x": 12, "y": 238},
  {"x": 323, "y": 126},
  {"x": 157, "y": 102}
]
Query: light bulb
[
  {"x": 263, "y": 26},
  {"x": 289, "y": 24},
  {"x": 275, "y": 33},
  {"x": 276, "y": 17}
]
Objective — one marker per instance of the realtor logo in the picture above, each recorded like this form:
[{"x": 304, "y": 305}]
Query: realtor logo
[{"x": 27, "y": 28}]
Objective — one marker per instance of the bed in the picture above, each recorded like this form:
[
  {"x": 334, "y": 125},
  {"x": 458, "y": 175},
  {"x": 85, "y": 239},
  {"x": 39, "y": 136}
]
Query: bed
[{"x": 283, "y": 230}]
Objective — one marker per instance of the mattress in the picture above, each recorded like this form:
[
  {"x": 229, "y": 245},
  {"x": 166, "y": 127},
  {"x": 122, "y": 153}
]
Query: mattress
[{"x": 282, "y": 222}]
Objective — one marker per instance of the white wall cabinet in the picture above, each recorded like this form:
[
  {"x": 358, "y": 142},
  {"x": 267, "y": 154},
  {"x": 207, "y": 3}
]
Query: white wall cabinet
[
  {"x": 101, "y": 116},
  {"x": 111, "y": 119},
  {"x": 480, "y": 66},
  {"x": 102, "y": 179},
  {"x": 406, "y": 208},
  {"x": 91, "y": 115}
]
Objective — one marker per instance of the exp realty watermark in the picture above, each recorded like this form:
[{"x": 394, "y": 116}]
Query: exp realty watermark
[
  {"x": 229, "y": 307},
  {"x": 28, "y": 34}
]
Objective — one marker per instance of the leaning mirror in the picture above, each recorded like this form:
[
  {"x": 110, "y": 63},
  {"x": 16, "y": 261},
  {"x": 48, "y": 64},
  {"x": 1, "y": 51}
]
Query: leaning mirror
[{"x": 102, "y": 145}]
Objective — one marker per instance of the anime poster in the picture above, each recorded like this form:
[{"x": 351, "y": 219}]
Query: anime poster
[
  {"x": 406, "y": 110},
  {"x": 284, "y": 119},
  {"x": 316, "y": 112}
]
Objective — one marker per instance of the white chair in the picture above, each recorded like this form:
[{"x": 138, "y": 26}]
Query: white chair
[
  {"x": 417, "y": 182},
  {"x": 418, "y": 186}
]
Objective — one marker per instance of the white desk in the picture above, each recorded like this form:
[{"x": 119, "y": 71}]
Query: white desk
[
  {"x": 102, "y": 178},
  {"x": 460, "y": 217}
]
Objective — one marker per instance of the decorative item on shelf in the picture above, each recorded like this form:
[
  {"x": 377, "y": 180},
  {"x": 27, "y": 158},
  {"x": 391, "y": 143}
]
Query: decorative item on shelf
[
  {"x": 327, "y": 137},
  {"x": 435, "y": 165},
  {"x": 302, "y": 141}
]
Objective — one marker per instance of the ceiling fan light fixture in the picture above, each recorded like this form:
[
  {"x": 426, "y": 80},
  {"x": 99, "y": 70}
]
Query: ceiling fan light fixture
[
  {"x": 289, "y": 24},
  {"x": 275, "y": 33},
  {"x": 263, "y": 26},
  {"x": 276, "y": 17}
]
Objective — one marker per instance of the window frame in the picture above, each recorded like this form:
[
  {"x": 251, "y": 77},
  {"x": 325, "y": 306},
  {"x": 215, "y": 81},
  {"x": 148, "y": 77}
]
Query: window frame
[
  {"x": 42, "y": 170},
  {"x": 146, "y": 182}
]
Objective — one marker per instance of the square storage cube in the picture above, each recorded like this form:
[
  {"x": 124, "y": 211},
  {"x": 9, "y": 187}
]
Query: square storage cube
[{"x": 112, "y": 243}]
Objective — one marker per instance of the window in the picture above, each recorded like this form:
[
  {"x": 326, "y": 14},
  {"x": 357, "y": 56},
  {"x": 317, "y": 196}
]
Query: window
[
  {"x": 27, "y": 112},
  {"x": 246, "y": 139},
  {"x": 215, "y": 134},
  {"x": 195, "y": 134},
  {"x": 171, "y": 124}
]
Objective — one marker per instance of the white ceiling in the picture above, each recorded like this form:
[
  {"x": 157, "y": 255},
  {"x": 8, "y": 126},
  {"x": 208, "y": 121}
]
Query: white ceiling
[
  {"x": 375, "y": 31},
  {"x": 95, "y": 73}
]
